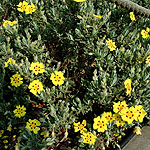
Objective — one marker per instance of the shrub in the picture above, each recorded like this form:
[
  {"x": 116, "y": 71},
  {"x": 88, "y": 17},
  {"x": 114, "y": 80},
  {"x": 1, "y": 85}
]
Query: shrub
[{"x": 70, "y": 66}]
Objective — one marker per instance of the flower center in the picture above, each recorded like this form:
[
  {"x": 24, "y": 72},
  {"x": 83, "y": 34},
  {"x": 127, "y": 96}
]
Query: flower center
[
  {"x": 16, "y": 80},
  {"x": 57, "y": 78},
  {"x": 121, "y": 107},
  {"x": 100, "y": 124},
  {"x": 23, "y": 6},
  {"x": 36, "y": 87},
  {"x": 88, "y": 138},
  {"x": 19, "y": 111},
  {"x": 130, "y": 115},
  {"x": 146, "y": 33},
  {"x": 30, "y": 8},
  {"x": 80, "y": 126},
  {"x": 148, "y": 59},
  {"x": 37, "y": 68},
  {"x": 128, "y": 87},
  {"x": 33, "y": 125}
]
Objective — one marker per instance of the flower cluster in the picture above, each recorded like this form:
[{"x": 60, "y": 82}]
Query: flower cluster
[
  {"x": 4, "y": 139},
  {"x": 80, "y": 126},
  {"x": 24, "y": 6},
  {"x": 33, "y": 125},
  {"x": 35, "y": 86},
  {"x": 88, "y": 137},
  {"x": 122, "y": 115},
  {"x": 129, "y": 114},
  {"x": 11, "y": 23},
  {"x": 111, "y": 45}
]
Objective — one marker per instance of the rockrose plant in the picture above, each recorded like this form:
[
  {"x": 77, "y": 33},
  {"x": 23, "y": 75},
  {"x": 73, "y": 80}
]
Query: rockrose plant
[{"x": 74, "y": 74}]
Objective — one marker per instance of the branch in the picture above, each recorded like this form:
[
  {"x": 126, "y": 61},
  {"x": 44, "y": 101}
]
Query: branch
[{"x": 131, "y": 5}]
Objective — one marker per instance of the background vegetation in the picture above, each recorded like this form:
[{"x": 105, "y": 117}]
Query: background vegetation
[{"x": 65, "y": 36}]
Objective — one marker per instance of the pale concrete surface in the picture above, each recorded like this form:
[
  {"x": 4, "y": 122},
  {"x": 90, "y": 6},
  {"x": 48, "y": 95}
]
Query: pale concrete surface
[{"x": 140, "y": 142}]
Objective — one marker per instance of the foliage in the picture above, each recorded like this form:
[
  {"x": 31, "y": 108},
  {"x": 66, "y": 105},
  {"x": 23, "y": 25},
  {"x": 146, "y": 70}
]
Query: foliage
[{"x": 93, "y": 47}]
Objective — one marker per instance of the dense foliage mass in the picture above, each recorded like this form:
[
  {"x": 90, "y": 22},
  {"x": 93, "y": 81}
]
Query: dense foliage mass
[{"x": 74, "y": 74}]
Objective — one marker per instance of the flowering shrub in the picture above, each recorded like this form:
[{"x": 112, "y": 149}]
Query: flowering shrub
[{"x": 74, "y": 74}]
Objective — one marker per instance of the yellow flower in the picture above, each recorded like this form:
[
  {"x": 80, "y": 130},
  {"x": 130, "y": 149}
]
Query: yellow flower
[
  {"x": 35, "y": 87},
  {"x": 88, "y": 138},
  {"x": 30, "y": 9},
  {"x": 9, "y": 128},
  {"x": 97, "y": 16},
  {"x": 10, "y": 61},
  {"x": 16, "y": 147},
  {"x": 100, "y": 124},
  {"x": 13, "y": 23},
  {"x": 22, "y": 6},
  {"x": 145, "y": 33},
  {"x": 20, "y": 111},
  {"x": 115, "y": 135},
  {"x": 80, "y": 127},
  {"x": 118, "y": 120},
  {"x": 111, "y": 45},
  {"x": 32, "y": 125},
  {"x": 137, "y": 130},
  {"x": 108, "y": 116},
  {"x": 5, "y": 146},
  {"x": 45, "y": 134},
  {"x": 127, "y": 84},
  {"x": 79, "y": 0},
  {"x": 140, "y": 113},
  {"x": 148, "y": 60},
  {"x": 16, "y": 80},
  {"x": 119, "y": 138},
  {"x": 37, "y": 67},
  {"x": 57, "y": 78},
  {"x": 109, "y": 13},
  {"x": 128, "y": 114},
  {"x": 132, "y": 16},
  {"x": 117, "y": 107},
  {"x": 6, "y": 23},
  {"x": 5, "y": 141},
  {"x": 1, "y": 133}
]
